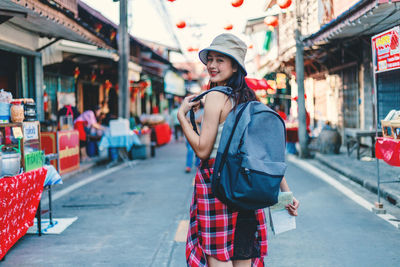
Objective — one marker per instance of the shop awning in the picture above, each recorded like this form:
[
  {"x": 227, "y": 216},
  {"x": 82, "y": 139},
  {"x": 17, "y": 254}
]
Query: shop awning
[
  {"x": 47, "y": 21},
  {"x": 258, "y": 84},
  {"x": 366, "y": 17}
]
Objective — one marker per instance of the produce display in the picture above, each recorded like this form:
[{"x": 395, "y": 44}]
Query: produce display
[{"x": 391, "y": 124}]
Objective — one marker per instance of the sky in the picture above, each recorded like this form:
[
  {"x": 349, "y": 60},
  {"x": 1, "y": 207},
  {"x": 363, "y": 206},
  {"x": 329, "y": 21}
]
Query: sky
[{"x": 150, "y": 21}]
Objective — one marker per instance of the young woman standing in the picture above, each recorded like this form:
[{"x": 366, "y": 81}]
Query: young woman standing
[{"x": 219, "y": 236}]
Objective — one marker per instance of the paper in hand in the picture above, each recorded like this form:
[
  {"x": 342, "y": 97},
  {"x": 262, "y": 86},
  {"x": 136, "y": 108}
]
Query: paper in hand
[{"x": 280, "y": 219}]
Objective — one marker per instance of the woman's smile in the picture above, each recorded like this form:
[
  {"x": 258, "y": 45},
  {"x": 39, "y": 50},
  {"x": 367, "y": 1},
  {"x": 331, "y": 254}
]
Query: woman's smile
[{"x": 219, "y": 67}]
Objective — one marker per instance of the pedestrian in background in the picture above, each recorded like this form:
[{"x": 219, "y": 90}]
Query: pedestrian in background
[
  {"x": 221, "y": 236},
  {"x": 84, "y": 124},
  {"x": 175, "y": 122}
]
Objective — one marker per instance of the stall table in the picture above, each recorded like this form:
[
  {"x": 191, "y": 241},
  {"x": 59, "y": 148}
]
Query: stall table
[
  {"x": 123, "y": 143},
  {"x": 19, "y": 200},
  {"x": 353, "y": 140}
]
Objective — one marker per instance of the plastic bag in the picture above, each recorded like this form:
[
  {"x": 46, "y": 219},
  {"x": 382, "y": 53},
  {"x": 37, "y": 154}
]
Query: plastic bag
[{"x": 52, "y": 176}]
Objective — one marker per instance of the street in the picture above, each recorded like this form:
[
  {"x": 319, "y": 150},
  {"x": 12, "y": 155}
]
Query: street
[{"x": 130, "y": 217}]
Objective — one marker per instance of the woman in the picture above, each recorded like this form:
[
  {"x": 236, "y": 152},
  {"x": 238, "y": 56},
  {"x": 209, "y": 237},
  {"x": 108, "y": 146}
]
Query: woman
[
  {"x": 83, "y": 124},
  {"x": 219, "y": 236}
]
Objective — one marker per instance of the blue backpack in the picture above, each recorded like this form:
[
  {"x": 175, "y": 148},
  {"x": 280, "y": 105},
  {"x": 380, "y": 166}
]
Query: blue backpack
[{"x": 250, "y": 161}]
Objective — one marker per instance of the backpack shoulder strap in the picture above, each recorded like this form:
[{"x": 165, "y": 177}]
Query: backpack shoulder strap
[{"x": 223, "y": 89}]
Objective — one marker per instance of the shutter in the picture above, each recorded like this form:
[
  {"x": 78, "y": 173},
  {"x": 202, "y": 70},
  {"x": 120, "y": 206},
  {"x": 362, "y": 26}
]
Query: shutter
[{"x": 388, "y": 87}]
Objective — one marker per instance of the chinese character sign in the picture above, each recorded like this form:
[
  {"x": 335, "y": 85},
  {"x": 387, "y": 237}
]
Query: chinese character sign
[{"x": 386, "y": 50}]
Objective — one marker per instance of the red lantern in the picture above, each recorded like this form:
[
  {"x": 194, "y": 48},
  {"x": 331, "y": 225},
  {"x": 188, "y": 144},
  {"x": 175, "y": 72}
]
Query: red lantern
[
  {"x": 112, "y": 35},
  {"x": 284, "y": 3},
  {"x": 107, "y": 84},
  {"x": 237, "y": 3},
  {"x": 181, "y": 24},
  {"x": 228, "y": 27},
  {"x": 171, "y": 0},
  {"x": 251, "y": 46},
  {"x": 76, "y": 73},
  {"x": 98, "y": 27},
  {"x": 271, "y": 21},
  {"x": 191, "y": 49},
  {"x": 93, "y": 77}
]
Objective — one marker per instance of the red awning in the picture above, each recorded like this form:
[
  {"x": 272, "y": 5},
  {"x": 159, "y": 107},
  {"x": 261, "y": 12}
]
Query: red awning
[{"x": 258, "y": 84}]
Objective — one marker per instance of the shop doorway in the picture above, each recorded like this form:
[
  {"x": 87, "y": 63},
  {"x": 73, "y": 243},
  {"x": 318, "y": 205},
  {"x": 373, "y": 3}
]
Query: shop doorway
[
  {"x": 388, "y": 84},
  {"x": 90, "y": 96},
  {"x": 8, "y": 72}
]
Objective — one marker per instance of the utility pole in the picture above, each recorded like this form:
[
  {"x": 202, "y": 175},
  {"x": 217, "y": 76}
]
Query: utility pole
[
  {"x": 123, "y": 51},
  {"x": 303, "y": 136}
]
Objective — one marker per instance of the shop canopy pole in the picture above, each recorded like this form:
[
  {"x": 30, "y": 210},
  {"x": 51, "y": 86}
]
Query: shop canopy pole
[{"x": 303, "y": 135}]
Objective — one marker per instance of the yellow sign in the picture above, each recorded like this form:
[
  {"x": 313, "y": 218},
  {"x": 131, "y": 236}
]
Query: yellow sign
[{"x": 17, "y": 132}]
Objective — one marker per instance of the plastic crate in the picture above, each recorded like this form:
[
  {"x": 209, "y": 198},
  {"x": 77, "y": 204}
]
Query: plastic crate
[{"x": 139, "y": 152}]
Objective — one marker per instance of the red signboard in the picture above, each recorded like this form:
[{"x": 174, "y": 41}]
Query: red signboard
[
  {"x": 386, "y": 50},
  {"x": 68, "y": 151}
]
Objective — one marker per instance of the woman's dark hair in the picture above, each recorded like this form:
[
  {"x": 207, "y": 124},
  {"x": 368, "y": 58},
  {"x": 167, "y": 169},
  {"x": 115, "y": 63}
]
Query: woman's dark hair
[{"x": 241, "y": 92}]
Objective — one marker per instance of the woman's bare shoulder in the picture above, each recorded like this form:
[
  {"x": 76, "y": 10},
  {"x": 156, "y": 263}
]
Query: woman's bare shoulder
[{"x": 216, "y": 98}]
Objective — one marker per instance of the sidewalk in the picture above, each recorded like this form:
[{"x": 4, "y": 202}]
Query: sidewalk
[{"x": 364, "y": 172}]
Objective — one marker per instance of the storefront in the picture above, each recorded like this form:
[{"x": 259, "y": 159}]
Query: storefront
[{"x": 386, "y": 61}]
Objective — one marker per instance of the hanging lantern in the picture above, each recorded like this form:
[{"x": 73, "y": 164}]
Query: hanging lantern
[
  {"x": 98, "y": 27},
  {"x": 181, "y": 24},
  {"x": 237, "y": 3},
  {"x": 112, "y": 35},
  {"x": 171, "y": 1},
  {"x": 251, "y": 46},
  {"x": 76, "y": 73},
  {"x": 284, "y": 3},
  {"x": 190, "y": 49},
  {"x": 271, "y": 21},
  {"x": 107, "y": 84},
  {"x": 228, "y": 27},
  {"x": 93, "y": 77}
]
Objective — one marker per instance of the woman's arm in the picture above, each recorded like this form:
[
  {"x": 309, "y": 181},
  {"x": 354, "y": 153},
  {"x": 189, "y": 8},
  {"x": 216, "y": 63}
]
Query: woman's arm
[
  {"x": 292, "y": 208},
  {"x": 203, "y": 144}
]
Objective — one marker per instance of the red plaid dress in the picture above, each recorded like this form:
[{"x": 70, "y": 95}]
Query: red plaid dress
[{"x": 212, "y": 225}]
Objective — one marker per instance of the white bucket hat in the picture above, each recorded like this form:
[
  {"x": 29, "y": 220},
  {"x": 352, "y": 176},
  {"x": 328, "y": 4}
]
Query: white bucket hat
[{"x": 229, "y": 45}]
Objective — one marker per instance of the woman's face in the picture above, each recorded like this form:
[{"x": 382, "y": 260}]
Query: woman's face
[{"x": 219, "y": 67}]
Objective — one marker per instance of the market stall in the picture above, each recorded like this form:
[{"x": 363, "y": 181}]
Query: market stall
[
  {"x": 20, "y": 196},
  {"x": 22, "y": 173},
  {"x": 386, "y": 62}
]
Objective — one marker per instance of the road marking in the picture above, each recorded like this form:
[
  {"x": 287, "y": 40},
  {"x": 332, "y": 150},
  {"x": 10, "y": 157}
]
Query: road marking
[
  {"x": 181, "y": 232},
  {"x": 79, "y": 184},
  {"x": 343, "y": 189}
]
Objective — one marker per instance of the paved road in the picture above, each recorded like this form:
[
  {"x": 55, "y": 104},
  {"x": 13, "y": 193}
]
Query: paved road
[{"x": 130, "y": 218}]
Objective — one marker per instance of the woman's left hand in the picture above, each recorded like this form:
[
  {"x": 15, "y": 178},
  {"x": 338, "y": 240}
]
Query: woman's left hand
[
  {"x": 187, "y": 104},
  {"x": 292, "y": 208}
]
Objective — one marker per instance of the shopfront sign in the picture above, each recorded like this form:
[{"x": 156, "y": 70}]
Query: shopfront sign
[
  {"x": 34, "y": 160},
  {"x": 386, "y": 50},
  {"x": 174, "y": 84},
  {"x": 31, "y": 131},
  {"x": 68, "y": 151}
]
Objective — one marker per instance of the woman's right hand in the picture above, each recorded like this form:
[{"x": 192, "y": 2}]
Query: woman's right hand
[{"x": 187, "y": 105}]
